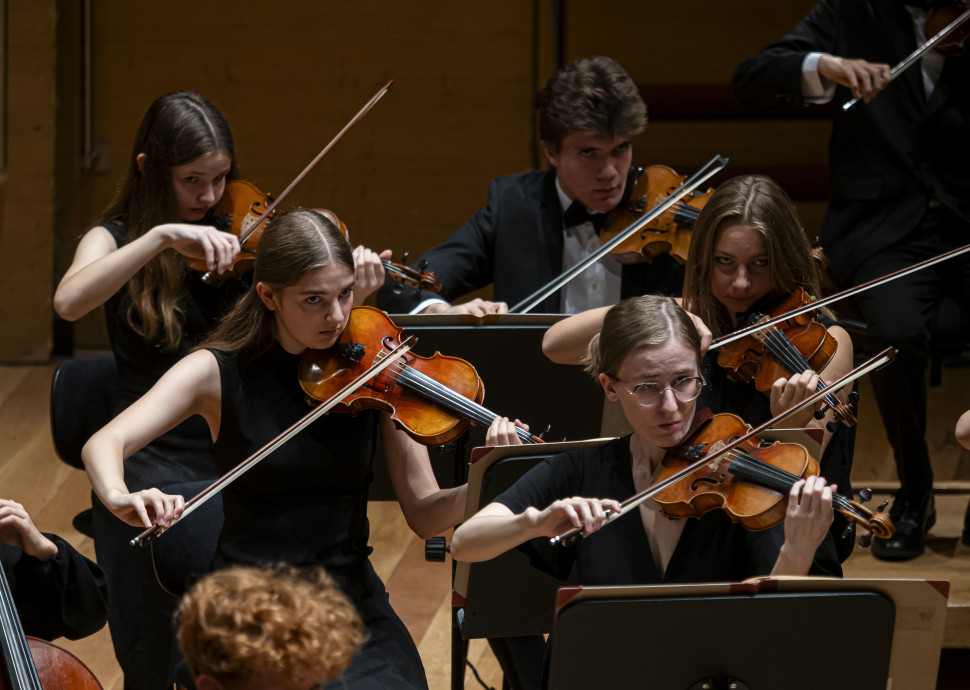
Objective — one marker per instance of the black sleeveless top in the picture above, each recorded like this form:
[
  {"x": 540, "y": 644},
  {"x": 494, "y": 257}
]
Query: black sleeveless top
[
  {"x": 306, "y": 503},
  {"x": 184, "y": 454}
]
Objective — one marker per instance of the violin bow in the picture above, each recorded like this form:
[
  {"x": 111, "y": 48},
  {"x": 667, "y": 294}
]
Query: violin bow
[
  {"x": 296, "y": 180},
  {"x": 877, "y": 362},
  {"x": 824, "y": 302},
  {"x": 712, "y": 167},
  {"x": 232, "y": 475},
  {"x": 913, "y": 57}
]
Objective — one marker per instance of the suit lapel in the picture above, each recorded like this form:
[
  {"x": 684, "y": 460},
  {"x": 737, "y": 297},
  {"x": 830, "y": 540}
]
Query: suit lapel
[
  {"x": 549, "y": 232},
  {"x": 894, "y": 22}
]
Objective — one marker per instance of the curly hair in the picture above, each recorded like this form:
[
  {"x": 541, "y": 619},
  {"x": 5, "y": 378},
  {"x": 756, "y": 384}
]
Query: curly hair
[
  {"x": 590, "y": 95},
  {"x": 281, "y": 622}
]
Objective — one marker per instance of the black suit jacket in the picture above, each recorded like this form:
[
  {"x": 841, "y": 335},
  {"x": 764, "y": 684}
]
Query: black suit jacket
[
  {"x": 890, "y": 157},
  {"x": 516, "y": 243}
]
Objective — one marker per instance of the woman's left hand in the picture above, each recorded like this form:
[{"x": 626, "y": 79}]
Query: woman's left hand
[
  {"x": 807, "y": 521},
  {"x": 368, "y": 272},
  {"x": 786, "y": 393},
  {"x": 501, "y": 432}
]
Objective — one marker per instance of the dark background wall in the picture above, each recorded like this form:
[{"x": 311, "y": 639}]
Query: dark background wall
[{"x": 289, "y": 74}]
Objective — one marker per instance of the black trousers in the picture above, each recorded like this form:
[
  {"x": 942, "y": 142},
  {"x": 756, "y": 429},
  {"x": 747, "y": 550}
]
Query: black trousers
[{"x": 902, "y": 314}]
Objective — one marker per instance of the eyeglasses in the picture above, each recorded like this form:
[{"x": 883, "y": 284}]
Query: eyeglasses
[{"x": 651, "y": 393}]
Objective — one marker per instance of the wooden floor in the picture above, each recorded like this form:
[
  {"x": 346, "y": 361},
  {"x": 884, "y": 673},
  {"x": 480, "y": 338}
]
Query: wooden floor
[{"x": 53, "y": 493}]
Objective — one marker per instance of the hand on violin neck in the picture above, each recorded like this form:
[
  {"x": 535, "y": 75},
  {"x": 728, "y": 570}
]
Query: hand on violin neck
[
  {"x": 201, "y": 242},
  {"x": 475, "y": 307},
  {"x": 866, "y": 79},
  {"x": 785, "y": 393},
  {"x": 368, "y": 272},
  {"x": 807, "y": 521},
  {"x": 501, "y": 432}
]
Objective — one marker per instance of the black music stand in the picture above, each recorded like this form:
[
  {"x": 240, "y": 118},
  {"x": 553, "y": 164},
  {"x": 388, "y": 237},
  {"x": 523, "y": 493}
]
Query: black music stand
[
  {"x": 765, "y": 634},
  {"x": 506, "y": 596},
  {"x": 520, "y": 382}
]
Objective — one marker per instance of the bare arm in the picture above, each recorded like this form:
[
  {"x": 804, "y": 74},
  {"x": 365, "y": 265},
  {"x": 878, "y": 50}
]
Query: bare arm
[
  {"x": 495, "y": 529},
  {"x": 566, "y": 341},
  {"x": 428, "y": 509},
  {"x": 963, "y": 430},
  {"x": 190, "y": 387},
  {"x": 100, "y": 268}
]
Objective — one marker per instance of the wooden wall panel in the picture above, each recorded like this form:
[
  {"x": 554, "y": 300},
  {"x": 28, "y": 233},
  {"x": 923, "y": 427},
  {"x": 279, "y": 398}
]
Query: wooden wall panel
[{"x": 26, "y": 192}]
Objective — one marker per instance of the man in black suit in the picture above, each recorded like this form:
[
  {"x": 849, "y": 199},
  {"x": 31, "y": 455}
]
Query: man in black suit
[
  {"x": 900, "y": 193},
  {"x": 538, "y": 223}
]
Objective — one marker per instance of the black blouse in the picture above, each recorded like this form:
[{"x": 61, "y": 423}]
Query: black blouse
[{"x": 711, "y": 549}]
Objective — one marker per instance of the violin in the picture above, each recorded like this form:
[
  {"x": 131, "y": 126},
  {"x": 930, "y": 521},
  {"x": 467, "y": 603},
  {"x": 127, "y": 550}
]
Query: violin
[
  {"x": 243, "y": 211},
  {"x": 707, "y": 453},
  {"x": 751, "y": 483},
  {"x": 953, "y": 44},
  {"x": 33, "y": 664},
  {"x": 792, "y": 346},
  {"x": 433, "y": 399},
  {"x": 670, "y": 233}
]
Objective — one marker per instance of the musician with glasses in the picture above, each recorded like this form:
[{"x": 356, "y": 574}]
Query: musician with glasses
[{"x": 647, "y": 358}]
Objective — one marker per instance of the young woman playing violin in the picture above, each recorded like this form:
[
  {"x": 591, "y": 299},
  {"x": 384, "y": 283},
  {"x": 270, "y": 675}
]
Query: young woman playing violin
[
  {"x": 134, "y": 263},
  {"x": 306, "y": 504},
  {"x": 748, "y": 248},
  {"x": 648, "y": 359}
]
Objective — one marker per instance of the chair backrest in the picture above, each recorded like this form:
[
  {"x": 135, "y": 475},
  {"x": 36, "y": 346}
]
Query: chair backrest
[
  {"x": 84, "y": 397},
  {"x": 506, "y": 596}
]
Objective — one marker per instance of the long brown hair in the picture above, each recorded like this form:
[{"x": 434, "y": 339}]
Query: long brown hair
[
  {"x": 757, "y": 201},
  {"x": 634, "y": 324},
  {"x": 293, "y": 244},
  {"x": 177, "y": 129}
]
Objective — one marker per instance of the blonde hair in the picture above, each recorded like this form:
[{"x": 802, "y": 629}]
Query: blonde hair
[
  {"x": 757, "y": 201},
  {"x": 293, "y": 244},
  {"x": 283, "y": 622},
  {"x": 634, "y": 324}
]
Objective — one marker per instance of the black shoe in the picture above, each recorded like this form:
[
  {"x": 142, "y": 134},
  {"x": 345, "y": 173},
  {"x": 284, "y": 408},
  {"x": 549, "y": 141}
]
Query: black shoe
[{"x": 911, "y": 528}]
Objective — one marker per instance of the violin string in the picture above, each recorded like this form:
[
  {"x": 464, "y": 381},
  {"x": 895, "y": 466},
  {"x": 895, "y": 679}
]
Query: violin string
[
  {"x": 783, "y": 348},
  {"x": 436, "y": 391},
  {"x": 775, "y": 477}
]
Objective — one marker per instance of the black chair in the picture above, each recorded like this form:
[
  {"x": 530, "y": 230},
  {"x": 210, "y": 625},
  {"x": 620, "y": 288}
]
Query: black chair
[{"x": 84, "y": 396}]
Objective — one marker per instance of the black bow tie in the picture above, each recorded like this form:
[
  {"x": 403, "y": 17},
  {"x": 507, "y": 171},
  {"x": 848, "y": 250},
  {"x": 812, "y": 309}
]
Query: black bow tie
[{"x": 577, "y": 214}]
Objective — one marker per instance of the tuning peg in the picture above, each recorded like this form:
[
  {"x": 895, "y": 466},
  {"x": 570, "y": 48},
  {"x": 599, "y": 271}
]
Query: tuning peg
[
  {"x": 819, "y": 413},
  {"x": 397, "y": 289},
  {"x": 865, "y": 541},
  {"x": 882, "y": 506},
  {"x": 865, "y": 495},
  {"x": 853, "y": 397},
  {"x": 849, "y": 530},
  {"x": 832, "y": 427},
  {"x": 545, "y": 431},
  {"x": 423, "y": 264},
  {"x": 404, "y": 257}
]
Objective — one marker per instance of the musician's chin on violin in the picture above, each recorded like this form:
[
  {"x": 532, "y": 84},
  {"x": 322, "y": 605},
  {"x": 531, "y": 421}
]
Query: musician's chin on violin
[{"x": 653, "y": 372}]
